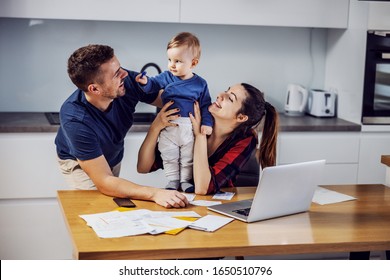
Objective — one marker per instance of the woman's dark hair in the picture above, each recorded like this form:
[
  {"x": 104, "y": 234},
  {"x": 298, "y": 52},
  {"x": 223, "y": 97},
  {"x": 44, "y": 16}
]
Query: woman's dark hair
[
  {"x": 85, "y": 62},
  {"x": 256, "y": 108}
]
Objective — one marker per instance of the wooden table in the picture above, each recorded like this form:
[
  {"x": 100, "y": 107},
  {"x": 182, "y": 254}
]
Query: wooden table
[
  {"x": 358, "y": 225},
  {"x": 385, "y": 159}
]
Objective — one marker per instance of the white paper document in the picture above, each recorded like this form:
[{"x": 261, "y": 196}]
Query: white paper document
[
  {"x": 324, "y": 196},
  {"x": 114, "y": 224},
  {"x": 189, "y": 196},
  {"x": 224, "y": 195},
  {"x": 210, "y": 223},
  {"x": 164, "y": 224},
  {"x": 204, "y": 202},
  {"x": 192, "y": 214},
  {"x": 135, "y": 222}
]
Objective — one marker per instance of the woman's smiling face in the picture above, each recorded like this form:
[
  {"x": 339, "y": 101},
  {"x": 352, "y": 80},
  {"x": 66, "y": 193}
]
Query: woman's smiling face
[{"x": 228, "y": 103}]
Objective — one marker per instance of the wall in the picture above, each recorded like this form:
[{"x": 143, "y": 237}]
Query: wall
[
  {"x": 345, "y": 62},
  {"x": 33, "y": 56}
]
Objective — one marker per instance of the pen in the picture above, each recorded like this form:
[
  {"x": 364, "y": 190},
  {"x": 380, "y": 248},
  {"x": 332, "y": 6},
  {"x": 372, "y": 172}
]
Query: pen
[{"x": 143, "y": 74}]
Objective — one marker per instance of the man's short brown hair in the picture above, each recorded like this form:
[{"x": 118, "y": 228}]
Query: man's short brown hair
[{"x": 85, "y": 62}]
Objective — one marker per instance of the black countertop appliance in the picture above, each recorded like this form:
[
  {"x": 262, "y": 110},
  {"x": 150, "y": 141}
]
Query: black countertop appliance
[{"x": 376, "y": 92}]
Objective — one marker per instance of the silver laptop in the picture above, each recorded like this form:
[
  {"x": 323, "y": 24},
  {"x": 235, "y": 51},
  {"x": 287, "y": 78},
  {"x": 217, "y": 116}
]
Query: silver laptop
[{"x": 282, "y": 190}]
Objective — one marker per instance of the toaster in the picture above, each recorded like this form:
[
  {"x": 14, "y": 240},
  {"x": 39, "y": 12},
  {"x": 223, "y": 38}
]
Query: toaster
[{"x": 321, "y": 103}]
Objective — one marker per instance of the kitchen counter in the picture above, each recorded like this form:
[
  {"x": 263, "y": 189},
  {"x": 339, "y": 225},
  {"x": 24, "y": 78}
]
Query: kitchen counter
[
  {"x": 19, "y": 122},
  {"x": 312, "y": 124}
]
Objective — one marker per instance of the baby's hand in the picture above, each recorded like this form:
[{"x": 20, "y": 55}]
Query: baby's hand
[
  {"x": 141, "y": 78},
  {"x": 206, "y": 130}
]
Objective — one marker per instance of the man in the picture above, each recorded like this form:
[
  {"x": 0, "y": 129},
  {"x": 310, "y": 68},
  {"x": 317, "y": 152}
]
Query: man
[{"x": 94, "y": 122}]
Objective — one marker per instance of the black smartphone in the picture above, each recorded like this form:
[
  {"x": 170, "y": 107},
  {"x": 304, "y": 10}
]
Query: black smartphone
[{"x": 124, "y": 202}]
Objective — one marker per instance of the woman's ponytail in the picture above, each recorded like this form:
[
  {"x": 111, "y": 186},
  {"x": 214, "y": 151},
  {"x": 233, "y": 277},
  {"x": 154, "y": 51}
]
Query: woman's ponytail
[
  {"x": 267, "y": 152},
  {"x": 256, "y": 108}
]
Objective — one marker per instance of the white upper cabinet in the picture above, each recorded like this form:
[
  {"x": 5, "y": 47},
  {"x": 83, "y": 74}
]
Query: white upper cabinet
[
  {"x": 115, "y": 10},
  {"x": 298, "y": 13},
  {"x": 379, "y": 16}
]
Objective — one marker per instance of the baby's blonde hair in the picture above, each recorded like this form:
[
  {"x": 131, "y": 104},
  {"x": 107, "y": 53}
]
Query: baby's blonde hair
[{"x": 186, "y": 39}]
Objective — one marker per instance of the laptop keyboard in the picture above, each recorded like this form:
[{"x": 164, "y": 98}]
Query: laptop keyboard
[{"x": 244, "y": 212}]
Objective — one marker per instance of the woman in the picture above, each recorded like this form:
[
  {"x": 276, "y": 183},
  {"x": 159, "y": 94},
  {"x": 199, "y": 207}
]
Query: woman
[{"x": 219, "y": 157}]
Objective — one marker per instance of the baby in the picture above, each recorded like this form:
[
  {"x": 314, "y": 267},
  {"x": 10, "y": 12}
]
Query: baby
[{"x": 184, "y": 87}]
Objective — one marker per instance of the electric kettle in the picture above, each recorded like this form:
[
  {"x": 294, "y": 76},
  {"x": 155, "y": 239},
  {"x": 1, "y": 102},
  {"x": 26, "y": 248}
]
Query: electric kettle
[{"x": 296, "y": 100}]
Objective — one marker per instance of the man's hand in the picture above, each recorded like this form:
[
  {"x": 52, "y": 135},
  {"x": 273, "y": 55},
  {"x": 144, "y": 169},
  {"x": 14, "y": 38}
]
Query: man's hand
[{"x": 170, "y": 199}]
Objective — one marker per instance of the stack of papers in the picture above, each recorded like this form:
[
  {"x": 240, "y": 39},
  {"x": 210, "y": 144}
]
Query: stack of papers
[{"x": 135, "y": 222}]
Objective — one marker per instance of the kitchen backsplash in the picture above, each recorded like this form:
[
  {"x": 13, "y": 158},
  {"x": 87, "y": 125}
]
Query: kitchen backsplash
[{"x": 33, "y": 56}]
